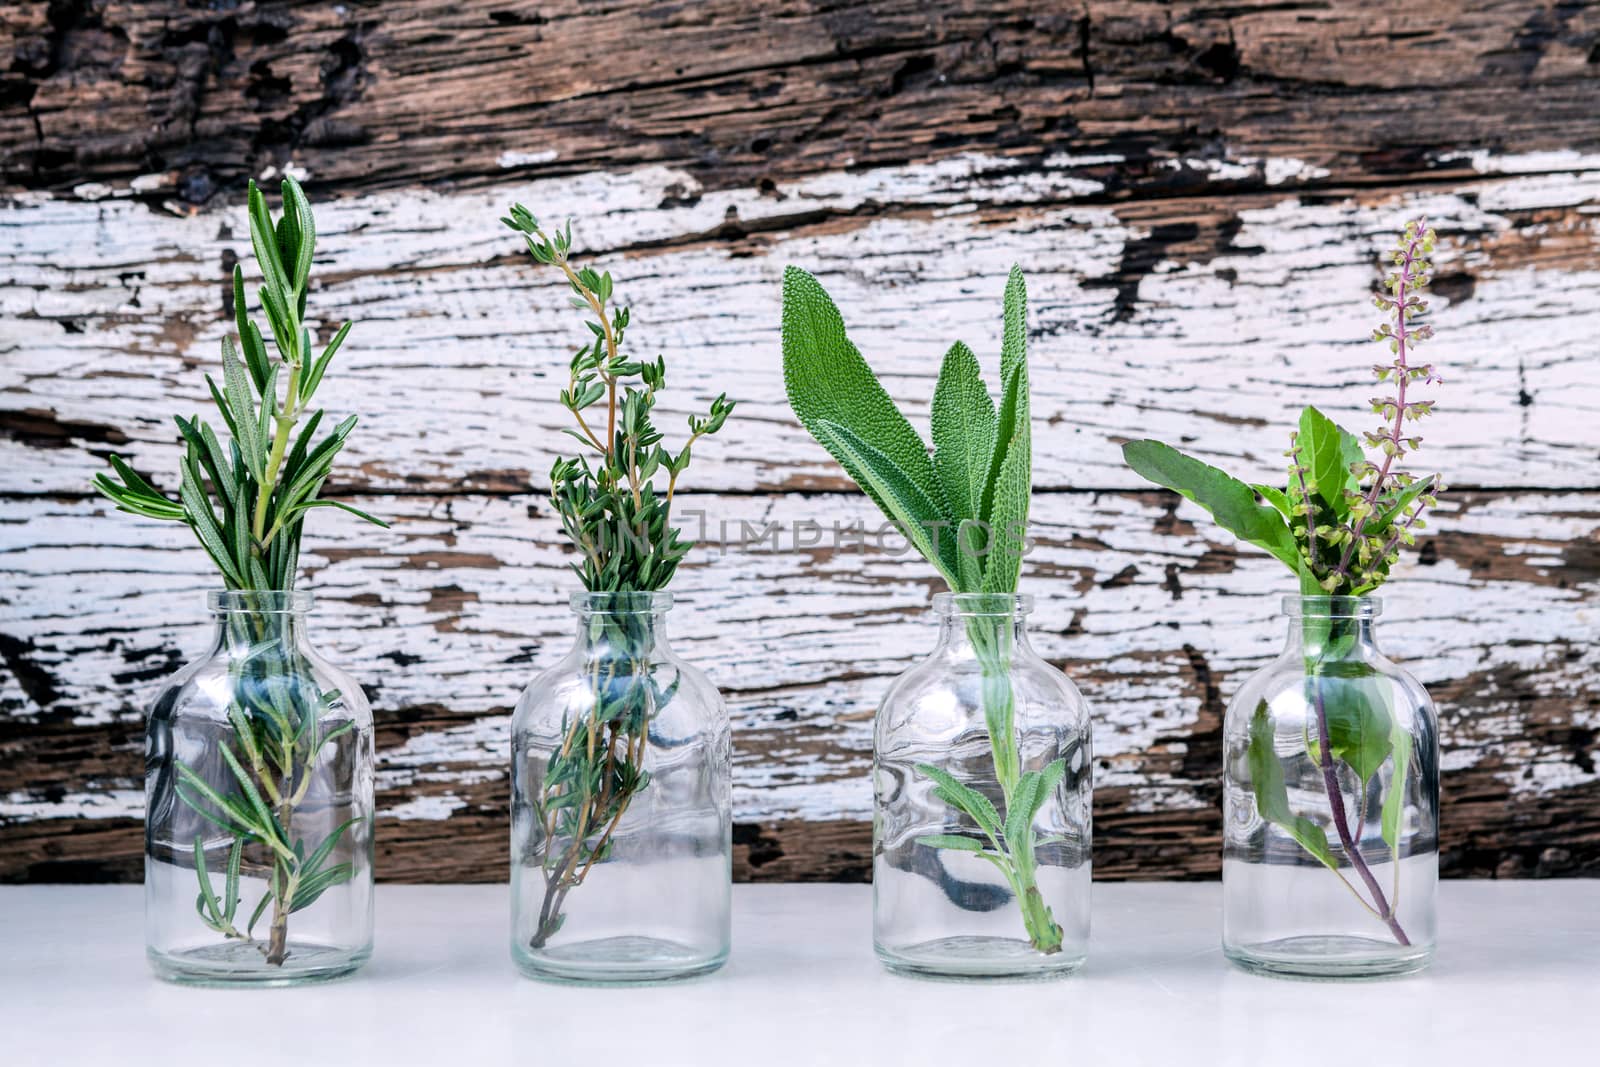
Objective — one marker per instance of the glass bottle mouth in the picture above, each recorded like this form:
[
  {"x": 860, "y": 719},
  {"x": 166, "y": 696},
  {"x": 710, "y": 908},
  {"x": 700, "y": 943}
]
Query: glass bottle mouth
[
  {"x": 1332, "y": 607},
  {"x": 1006, "y": 605},
  {"x": 655, "y": 602},
  {"x": 258, "y": 601}
]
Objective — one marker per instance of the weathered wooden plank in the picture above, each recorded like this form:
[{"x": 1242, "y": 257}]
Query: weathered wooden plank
[
  {"x": 398, "y": 94},
  {"x": 446, "y": 616},
  {"x": 1199, "y": 192},
  {"x": 1186, "y": 319}
]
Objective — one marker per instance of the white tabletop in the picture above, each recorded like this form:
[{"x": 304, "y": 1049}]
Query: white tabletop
[{"x": 1516, "y": 982}]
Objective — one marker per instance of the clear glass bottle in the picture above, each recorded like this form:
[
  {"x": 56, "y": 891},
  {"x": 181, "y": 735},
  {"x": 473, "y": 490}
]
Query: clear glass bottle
[
  {"x": 258, "y": 791},
  {"x": 1331, "y": 786},
  {"x": 621, "y": 807},
  {"x": 982, "y": 770}
]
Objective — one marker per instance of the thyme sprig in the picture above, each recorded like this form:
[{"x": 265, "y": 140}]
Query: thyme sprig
[
  {"x": 246, "y": 499},
  {"x": 621, "y": 524}
]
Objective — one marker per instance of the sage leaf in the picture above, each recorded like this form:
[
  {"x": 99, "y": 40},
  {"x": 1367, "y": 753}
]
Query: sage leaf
[
  {"x": 1013, "y": 490},
  {"x": 827, "y": 380},
  {"x": 967, "y": 799},
  {"x": 973, "y": 543},
  {"x": 963, "y": 423},
  {"x": 1026, "y": 800},
  {"x": 1013, "y": 386},
  {"x": 918, "y": 515},
  {"x": 951, "y": 841}
]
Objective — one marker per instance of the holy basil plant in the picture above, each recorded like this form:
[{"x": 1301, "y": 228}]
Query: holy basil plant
[
  {"x": 964, "y": 506},
  {"x": 1338, "y": 523}
]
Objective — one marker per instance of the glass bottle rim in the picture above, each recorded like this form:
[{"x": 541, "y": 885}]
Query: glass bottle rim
[
  {"x": 1332, "y": 607},
  {"x": 997, "y": 604},
  {"x": 258, "y": 601},
  {"x": 650, "y": 602}
]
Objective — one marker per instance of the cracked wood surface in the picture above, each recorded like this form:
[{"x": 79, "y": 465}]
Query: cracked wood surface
[
  {"x": 446, "y": 616},
  {"x": 1198, "y": 192},
  {"x": 367, "y": 95}
]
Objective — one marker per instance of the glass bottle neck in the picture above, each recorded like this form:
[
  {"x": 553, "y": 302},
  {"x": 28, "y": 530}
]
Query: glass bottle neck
[
  {"x": 982, "y": 624},
  {"x": 627, "y": 625},
  {"x": 627, "y": 633},
  {"x": 249, "y": 619},
  {"x": 962, "y": 634},
  {"x": 1331, "y": 637},
  {"x": 240, "y": 631}
]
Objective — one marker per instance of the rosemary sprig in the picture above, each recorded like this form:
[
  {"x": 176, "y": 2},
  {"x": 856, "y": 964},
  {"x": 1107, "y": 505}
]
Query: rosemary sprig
[
  {"x": 621, "y": 524},
  {"x": 246, "y": 498}
]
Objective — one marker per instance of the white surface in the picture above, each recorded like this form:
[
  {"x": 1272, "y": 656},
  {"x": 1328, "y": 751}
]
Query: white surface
[{"x": 1516, "y": 981}]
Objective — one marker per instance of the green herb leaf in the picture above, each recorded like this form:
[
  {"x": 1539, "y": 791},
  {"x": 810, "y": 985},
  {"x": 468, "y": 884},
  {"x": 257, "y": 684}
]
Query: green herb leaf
[
  {"x": 1394, "y": 802},
  {"x": 1012, "y": 492},
  {"x": 1380, "y": 524},
  {"x": 828, "y": 381},
  {"x": 1231, "y": 502},
  {"x": 263, "y": 237},
  {"x": 1272, "y": 796},
  {"x": 213, "y": 909},
  {"x": 329, "y": 843},
  {"x": 898, "y": 494},
  {"x": 963, "y": 797},
  {"x": 954, "y": 842},
  {"x": 1277, "y": 498},
  {"x": 1025, "y": 802},
  {"x": 963, "y": 431},
  {"x": 311, "y": 888},
  {"x": 1013, "y": 385},
  {"x": 1356, "y": 704},
  {"x": 1329, "y": 452}
]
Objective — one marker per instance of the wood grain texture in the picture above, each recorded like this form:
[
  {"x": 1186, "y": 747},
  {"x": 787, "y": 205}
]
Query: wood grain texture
[
  {"x": 1199, "y": 194},
  {"x": 1157, "y": 617},
  {"x": 391, "y": 95}
]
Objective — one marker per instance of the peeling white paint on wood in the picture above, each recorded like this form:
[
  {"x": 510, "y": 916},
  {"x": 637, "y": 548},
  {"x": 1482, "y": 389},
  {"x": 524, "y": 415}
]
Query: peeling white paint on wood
[
  {"x": 463, "y": 601},
  {"x": 112, "y": 311}
]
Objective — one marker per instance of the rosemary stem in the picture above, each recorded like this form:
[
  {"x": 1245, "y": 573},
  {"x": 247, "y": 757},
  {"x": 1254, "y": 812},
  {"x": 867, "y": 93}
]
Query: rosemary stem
[{"x": 280, "y": 444}]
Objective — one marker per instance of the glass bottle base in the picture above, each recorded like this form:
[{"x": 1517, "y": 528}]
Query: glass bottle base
[
  {"x": 238, "y": 964},
  {"x": 1330, "y": 957},
  {"x": 969, "y": 958},
  {"x": 616, "y": 961}
]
